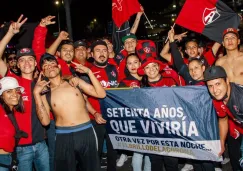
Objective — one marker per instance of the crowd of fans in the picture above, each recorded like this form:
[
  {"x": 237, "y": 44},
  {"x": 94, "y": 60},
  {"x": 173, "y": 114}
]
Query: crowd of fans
[{"x": 50, "y": 112}]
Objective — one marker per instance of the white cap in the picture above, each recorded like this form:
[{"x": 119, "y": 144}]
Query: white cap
[{"x": 8, "y": 83}]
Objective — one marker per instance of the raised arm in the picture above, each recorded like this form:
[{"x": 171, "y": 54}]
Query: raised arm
[
  {"x": 137, "y": 20},
  {"x": 216, "y": 47},
  {"x": 53, "y": 48},
  {"x": 165, "y": 51},
  {"x": 13, "y": 29},
  {"x": 210, "y": 55},
  {"x": 38, "y": 43},
  {"x": 42, "y": 107},
  {"x": 175, "y": 51},
  {"x": 96, "y": 89}
]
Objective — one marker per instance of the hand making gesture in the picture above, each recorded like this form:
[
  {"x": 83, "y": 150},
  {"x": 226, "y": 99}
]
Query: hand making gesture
[
  {"x": 81, "y": 68},
  {"x": 47, "y": 21},
  {"x": 40, "y": 85},
  {"x": 15, "y": 26}
]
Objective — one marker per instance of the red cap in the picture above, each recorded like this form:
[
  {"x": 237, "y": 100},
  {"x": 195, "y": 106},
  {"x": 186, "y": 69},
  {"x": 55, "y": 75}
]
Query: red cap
[
  {"x": 231, "y": 30},
  {"x": 147, "y": 61}
]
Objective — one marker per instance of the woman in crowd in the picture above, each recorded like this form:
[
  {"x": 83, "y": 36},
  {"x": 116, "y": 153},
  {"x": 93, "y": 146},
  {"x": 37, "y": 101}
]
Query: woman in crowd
[
  {"x": 151, "y": 69},
  {"x": 10, "y": 102},
  {"x": 193, "y": 75},
  {"x": 133, "y": 80}
]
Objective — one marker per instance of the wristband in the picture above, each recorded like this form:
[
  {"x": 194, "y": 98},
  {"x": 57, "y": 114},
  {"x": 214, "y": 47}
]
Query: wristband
[{"x": 95, "y": 113}]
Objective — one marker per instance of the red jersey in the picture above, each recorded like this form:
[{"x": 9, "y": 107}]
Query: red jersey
[
  {"x": 169, "y": 72},
  {"x": 7, "y": 132},
  {"x": 28, "y": 121},
  {"x": 222, "y": 111},
  {"x": 163, "y": 82},
  {"x": 129, "y": 81},
  {"x": 107, "y": 77}
]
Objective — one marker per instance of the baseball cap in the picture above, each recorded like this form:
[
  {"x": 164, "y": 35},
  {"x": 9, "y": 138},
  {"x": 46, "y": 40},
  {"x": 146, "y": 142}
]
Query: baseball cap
[
  {"x": 214, "y": 72},
  {"x": 129, "y": 35},
  {"x": 8, "y": 83},
  {"x": 79, "y": 43},
  {"x": 48, "y": 57},
  {"x": 96, "y": 43},
  {"x": 147, "y": 61},
  {"x": 25, "y": 52},
  {"x": 231, "y": 30}
]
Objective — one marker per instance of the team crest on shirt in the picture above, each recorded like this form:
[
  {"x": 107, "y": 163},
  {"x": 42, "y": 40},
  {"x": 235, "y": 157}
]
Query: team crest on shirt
[
  {"x": 25, "y": 98},
  {"x": 236, "y": 108},
  {"x": 210, "y": 15},
  {"x": 134, "y": 84},
  {"x": 113, "y": 73},
  {"x": 118, "y": 57}
]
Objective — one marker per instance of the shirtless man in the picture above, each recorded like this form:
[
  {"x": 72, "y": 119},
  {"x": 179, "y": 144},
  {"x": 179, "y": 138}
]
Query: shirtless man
[
  {"x": 232, "y": 62},
  {"x": 75, "y": 137}
]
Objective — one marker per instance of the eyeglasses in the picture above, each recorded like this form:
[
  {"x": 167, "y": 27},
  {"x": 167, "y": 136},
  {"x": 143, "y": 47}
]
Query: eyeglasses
[{"x": 12, "y": 58}]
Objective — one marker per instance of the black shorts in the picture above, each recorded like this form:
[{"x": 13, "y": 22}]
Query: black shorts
[{"x": 76, "y": 144}]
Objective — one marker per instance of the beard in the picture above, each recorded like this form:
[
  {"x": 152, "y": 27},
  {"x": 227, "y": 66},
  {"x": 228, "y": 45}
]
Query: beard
[{"x": 101, "y": 64}]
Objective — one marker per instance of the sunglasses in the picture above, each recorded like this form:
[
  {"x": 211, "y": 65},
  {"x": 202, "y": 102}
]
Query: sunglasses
[{"x": 12, "y": 58}]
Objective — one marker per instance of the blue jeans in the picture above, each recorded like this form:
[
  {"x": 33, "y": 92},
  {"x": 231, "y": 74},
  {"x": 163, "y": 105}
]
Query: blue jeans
[
  {"x": 37, "y": 154},
  {"x": 51, "y": 141},
  {"x": 5, "y": 159},
  {"x": 137, "y": 162}
]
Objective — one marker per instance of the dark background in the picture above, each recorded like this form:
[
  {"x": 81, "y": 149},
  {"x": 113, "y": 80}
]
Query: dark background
[{"x": 82, "y": 13}]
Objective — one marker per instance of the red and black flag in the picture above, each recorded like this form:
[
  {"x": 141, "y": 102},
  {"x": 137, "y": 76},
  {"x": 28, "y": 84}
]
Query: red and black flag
[
  {"x": 208, "y": 17},
  {"x": 123, "y": 9}
]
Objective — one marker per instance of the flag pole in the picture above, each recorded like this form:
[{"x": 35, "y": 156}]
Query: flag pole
[
  {"x": 148, "y": 20},
  {"x": 168, "y": 36}
]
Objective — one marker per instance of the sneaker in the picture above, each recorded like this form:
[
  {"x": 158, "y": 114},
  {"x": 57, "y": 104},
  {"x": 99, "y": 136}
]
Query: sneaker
[
  {"x": 103, "y": 164},
  {"x": 225, "y": 161},
  {"x": 187, "y": 167},
  {"x": 241, "y": 161},
  {"x": 217, "y": 169},
  {"x": 104, "y": 156},
  {"x": 121, "y": 160}
]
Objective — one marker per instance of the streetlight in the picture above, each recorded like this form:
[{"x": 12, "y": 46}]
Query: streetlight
[{"x": 58, "y": 17}]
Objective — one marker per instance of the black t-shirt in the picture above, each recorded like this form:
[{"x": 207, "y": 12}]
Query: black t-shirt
[{"x": 235, "y": 102}]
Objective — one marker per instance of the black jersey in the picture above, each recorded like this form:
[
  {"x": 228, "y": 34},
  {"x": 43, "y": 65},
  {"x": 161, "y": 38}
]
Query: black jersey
[{"x": 235, "y": 102}]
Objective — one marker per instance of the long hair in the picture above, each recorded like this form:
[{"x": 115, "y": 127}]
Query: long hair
[
  {"x": 144, "y": 81},
  {"x": 19, "y": 107}
]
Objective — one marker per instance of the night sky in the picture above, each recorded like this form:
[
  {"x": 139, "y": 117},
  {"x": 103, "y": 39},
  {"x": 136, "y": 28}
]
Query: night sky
[{"x": 99, "y": 9}]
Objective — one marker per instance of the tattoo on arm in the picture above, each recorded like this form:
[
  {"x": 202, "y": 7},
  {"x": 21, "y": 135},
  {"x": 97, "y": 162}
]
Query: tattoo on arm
[{"x": 41, "y": 111}]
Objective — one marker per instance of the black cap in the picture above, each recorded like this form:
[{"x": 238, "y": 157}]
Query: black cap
[
  {"x": 25, "y": 52},
  {"x": 129, "y": 35},
  {"x": 79, "y": 43},
  {"x": 96, "y": 43},
  {"x": 48, "y": 57},
  {"x": 214, "y": 72}
]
